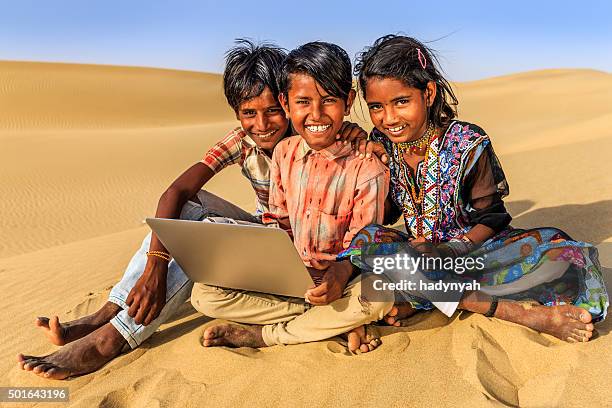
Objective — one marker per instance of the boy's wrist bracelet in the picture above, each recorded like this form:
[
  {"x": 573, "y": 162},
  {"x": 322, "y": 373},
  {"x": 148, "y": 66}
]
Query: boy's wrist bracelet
[{"x": 159, "y": 254}]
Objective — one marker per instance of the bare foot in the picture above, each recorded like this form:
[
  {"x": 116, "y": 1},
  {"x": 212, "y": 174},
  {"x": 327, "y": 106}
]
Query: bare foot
[
  {"x": 399, "y": 311},
  {"x": 360, "y": 339},
  {"x": 77, "y": 358},
  {"x": 231, "y": 335},
  {"x": 566, "y": 322},
  {"x": 63, "y": 333}
]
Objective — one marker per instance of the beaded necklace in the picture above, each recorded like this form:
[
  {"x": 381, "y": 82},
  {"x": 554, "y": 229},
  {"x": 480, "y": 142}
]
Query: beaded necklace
[
  {"x": 420, "y": 209},
  {"x": 419, "y": 143}
]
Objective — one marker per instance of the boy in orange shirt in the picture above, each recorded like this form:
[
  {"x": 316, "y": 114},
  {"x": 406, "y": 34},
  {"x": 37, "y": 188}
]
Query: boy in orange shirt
[{"x": 322, "y": 194}]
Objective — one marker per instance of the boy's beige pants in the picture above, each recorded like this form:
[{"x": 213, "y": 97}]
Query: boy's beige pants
[{"x": 290, "y": 320}]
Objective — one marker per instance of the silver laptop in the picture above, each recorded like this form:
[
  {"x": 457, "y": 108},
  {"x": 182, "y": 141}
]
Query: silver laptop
[{"x": 250, "y": 257}]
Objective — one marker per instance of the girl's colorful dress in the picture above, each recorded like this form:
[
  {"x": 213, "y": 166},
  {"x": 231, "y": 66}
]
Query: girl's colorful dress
[{"x": 463, "y": 185}]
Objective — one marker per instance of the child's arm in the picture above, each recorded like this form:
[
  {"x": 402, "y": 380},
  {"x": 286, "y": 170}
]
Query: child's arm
[
  {"x": 148, "y": 296},
  {"x": 226, "y": 152},
  {"x": 480, "y": 233},
  {"x": 486, "y": 186}
]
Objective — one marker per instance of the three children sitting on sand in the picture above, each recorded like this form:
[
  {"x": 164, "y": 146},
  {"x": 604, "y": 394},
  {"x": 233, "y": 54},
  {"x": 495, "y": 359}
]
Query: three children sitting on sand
[{"x": 331, "y": 202}]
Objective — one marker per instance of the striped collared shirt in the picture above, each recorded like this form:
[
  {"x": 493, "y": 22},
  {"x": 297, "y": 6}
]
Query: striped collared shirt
[
  {"x": 238, "y": 148},
  {"x": 326, "y": 196}
]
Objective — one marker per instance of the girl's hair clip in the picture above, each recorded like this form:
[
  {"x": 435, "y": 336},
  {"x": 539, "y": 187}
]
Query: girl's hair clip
[{"x": 422, "y": 58}]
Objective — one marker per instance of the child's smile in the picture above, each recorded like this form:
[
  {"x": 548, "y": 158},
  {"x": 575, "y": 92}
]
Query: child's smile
[
  {"x": 263, "y": 119},
  {"x": 316, "y": 115},
  {"x": 397, "y": 110},
  {"x": 317, "y": 128},
  {"x": 397, "y": 130}
]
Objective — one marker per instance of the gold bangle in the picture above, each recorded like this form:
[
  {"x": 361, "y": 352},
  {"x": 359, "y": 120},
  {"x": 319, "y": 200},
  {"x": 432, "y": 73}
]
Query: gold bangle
[{"x": 159, "y": 254}]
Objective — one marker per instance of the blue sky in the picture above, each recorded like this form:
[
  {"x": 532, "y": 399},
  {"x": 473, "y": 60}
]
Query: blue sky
[{"x": 477, "y": 39}]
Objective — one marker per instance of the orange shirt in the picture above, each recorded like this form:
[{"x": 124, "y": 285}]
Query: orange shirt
[{"x": 326, "y": 196}]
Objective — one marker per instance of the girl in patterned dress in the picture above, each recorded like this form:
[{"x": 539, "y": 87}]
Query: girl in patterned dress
[{"x": 449, "y": 186}]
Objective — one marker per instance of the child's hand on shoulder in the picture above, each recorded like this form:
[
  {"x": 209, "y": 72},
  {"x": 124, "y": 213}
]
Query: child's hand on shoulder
[
  {"x": 366, "y": 148},
  {"x": 350, "y": 133}
]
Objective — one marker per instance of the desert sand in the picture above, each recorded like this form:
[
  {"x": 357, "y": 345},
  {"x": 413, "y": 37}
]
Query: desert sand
[{"x": 85, "y": 152}]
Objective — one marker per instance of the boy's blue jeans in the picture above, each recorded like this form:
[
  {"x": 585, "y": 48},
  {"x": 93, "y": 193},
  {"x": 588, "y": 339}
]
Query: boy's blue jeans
[{"x": 178, "y": 285}]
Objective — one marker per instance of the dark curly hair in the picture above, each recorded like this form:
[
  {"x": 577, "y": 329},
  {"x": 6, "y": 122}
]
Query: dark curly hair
[
  {"x": 397, "y": 56},
  {"x": 249, "y": 68},
  {"x": 327, "y": 63}
]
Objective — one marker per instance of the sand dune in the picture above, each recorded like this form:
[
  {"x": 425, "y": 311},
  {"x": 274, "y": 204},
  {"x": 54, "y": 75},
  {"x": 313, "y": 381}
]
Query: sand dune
[
  {"x": 85, "y": 151},
  {"x": 60, "y": 187},
  {"x": 74, "y": 96},
  {"x": 539, "y": 109}
]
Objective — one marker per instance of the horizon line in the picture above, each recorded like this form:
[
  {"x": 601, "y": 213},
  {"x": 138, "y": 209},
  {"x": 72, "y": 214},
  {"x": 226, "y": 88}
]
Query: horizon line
[{"x": 159, "y": 68}]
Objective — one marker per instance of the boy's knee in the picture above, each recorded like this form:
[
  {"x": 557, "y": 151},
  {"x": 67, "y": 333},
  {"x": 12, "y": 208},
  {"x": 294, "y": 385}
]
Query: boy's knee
[
  {"x": 375, "y": 310},
  {"x": 376, "y": 304},
  {"x": 208, "y": 300},
  {"x": 373, "y": 303},
  {"x": 192, "y": 210}
]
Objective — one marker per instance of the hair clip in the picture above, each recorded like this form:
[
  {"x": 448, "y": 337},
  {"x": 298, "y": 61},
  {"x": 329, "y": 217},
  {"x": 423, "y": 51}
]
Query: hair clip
[{"x": 422, "y": 58}]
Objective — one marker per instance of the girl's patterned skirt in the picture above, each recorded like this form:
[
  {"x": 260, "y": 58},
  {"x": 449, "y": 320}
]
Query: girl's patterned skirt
[{"x": 510, "y": 258}]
